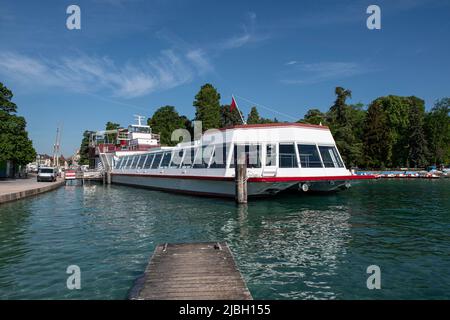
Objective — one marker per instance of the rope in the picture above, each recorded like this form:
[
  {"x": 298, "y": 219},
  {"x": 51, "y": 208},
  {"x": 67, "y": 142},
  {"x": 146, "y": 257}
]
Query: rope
[{"x": 268, "y": 108}]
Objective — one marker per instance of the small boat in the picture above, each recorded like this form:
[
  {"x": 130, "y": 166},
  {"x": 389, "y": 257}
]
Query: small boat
[{"x": 278, "y": 157}]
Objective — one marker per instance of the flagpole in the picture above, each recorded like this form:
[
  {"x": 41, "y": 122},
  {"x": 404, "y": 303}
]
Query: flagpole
[{"x": 239, "y": 110}]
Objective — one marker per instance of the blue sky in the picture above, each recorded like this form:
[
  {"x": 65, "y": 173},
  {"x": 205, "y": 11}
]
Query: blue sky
[{"x": 133, "y": 56}]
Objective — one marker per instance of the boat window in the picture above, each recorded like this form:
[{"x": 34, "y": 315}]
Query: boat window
[
  {"x": 330, "y": 157},
  {"x": 166, "y": 159},
  {"x": 120, "y": 164},
  {"x": 157, "y": 160},
  {"x": 131, "y": 162},
  {"x": 287, "y": 157},
  {"x": 201, "y": 161},
  {"x": 176, "y": 159},
  {"x": 208, "y": 154},
  {"x": 128, "y": 162},
  {"x": 271, "y": 155},
  {"x": 117, "y": 163},
  {"x": 123, "y": 163},
  {"x": 252, "y": 155},
  {"x": 141, "y": 161},
  {"x": 309, "y": 156},
  {"x": 148, "y": 163},
  {"x": 219, "y": 158},
  {"x": 188, "y": 158}
]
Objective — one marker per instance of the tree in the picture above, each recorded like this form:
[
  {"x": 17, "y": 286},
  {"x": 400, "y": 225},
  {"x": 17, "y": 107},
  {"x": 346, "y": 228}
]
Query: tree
[
  {"x": 437, "y": 131},
  {"x": 377, "y": 140},
  {"x": 5, "y": 100},
  {"x": 15, "y": 145},
  {"x": 314, "y": 116},
  {"x": 338, "y": 110},
  {"x": 417, "y": 144},
  {"x": 112, "y": 137},
  {"x": 207, "y": 104},
  {"x": 343, "y": 121},
  {"x": 164, "y": 121},
  {"x": 229, "y": 118},
  {"x": 84, "y": 148},
  {"x": 253, "y": 116},
  {"x": 267, "y": 120}
]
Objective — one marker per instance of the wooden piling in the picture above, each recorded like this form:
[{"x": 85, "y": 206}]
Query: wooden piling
[{"x": 240, "y": 175}]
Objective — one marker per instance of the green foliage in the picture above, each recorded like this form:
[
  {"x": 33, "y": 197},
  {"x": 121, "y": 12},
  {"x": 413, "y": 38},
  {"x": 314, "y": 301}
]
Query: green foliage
[
  {"x": 253, "y": 116},
  {"x": 437, "y": 131},
  {"x": 229, "y": 118},
  {"x": 417, "y": 144},
  {"x": 165, "y": 120},
  {"x": 112, "y": 137},
  {"x": 398, "y": 136},
  {"x": 14, "y": 142},
  {"x": 338, "y": 111},
  {"x": 394, "y": 131},
  {"x": 314, "y": 116},
  {"x": 207, "y": 104},
  {"x": 5, "y": 100},
  {"x": 84, "y": 148},
  {"x": 377, "y": 146},
  {"x": 267, "y": 120}
]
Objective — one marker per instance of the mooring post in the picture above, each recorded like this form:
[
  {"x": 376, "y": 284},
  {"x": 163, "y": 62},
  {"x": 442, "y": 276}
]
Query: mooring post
[
  {"x": 108, "y": 177},
  {"x": 240, "y": 175}
]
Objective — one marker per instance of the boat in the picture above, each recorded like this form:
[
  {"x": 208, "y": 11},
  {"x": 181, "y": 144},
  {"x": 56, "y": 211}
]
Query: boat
[{"x": 278, "y": 157}]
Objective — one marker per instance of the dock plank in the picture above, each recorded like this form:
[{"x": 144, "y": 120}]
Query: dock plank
[{"x": 198, "y": 271}]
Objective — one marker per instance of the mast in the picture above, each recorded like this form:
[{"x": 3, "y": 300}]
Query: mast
[{"x": 56, "y": 148}]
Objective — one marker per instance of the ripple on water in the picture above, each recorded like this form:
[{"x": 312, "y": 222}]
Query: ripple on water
[{"x": 289, "y": 247}]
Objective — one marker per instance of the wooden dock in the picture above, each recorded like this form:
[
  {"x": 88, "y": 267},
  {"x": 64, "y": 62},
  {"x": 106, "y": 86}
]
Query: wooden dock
[{"x": 194, "y": 271}]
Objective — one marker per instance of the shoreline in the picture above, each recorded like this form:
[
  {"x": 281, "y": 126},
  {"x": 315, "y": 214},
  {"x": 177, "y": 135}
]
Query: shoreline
[{"x": 12, "y": 190}]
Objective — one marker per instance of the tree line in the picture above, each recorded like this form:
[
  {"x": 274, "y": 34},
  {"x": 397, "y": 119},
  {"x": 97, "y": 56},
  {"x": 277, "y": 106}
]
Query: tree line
[
  {"x": 391, "y": 132},
  {"x": 15, "y": 145}
]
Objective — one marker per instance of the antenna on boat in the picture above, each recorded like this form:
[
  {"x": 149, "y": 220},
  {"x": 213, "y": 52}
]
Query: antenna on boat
[
  {"x": 233, "y": 106},
  {"x": 139, "y": 119}
]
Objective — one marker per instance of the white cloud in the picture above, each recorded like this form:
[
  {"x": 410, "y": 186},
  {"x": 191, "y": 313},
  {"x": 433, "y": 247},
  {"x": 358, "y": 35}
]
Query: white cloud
[
  {"x": 90, "y": 74},
  {"x": 249, "y": 34},
  {"x": 198, "y": 58},
  {"x": 290, "y": 63},
  {"x": 309, "y": 73}
]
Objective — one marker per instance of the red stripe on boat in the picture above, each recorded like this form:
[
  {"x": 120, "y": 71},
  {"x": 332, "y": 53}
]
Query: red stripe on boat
[{"x": 254, "y": 179}]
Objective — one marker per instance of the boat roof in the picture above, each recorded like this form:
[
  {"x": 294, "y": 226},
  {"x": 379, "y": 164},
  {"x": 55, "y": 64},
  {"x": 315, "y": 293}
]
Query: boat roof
[{"x": 275, "y": 125}]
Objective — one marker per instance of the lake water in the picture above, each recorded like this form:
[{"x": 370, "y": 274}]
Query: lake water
[{"x": 287, "y": 247}]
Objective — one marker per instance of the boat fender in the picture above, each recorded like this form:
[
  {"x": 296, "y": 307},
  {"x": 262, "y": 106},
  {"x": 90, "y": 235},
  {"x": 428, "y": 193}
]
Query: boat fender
[{"x": 305, "y": 187}]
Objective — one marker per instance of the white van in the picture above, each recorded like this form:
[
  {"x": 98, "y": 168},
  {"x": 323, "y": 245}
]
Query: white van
[{"x": 47, "y": 174}]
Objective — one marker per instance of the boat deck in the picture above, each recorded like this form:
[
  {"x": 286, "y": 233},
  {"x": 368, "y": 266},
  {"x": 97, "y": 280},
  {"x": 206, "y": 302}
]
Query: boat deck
[{"x": 194, "y": 271}]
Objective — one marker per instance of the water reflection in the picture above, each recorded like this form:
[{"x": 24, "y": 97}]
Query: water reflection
[{"x": 299, "y": 251}]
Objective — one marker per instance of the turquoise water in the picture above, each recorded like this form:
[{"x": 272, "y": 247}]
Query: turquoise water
[{"x": 288, "y": 247}]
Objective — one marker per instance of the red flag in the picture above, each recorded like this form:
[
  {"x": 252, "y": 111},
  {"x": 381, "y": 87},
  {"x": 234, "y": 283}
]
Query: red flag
[{"x": 233, "y": 104}]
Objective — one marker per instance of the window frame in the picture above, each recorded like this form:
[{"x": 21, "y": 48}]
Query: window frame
[
  {"x": 294, "y": 145},
  {"x": 318, "y": 153}
]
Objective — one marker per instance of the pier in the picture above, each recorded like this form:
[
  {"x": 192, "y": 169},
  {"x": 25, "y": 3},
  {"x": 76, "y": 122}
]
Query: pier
[
  {"x": 83, "y": 176},
  {"x": 193, "y": 271},
  {"x": 11, "y": 190}
]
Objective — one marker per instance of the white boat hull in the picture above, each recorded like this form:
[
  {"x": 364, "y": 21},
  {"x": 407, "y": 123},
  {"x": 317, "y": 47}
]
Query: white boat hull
[{"x": 212, "y": 187}]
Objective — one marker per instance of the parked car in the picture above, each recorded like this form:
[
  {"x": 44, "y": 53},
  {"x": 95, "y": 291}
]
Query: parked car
[{"x": 47, "y": 174}]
